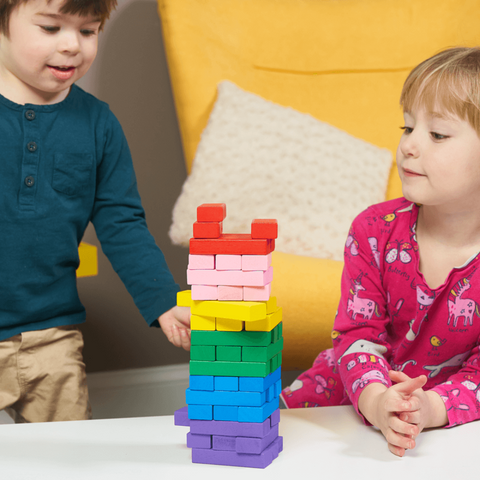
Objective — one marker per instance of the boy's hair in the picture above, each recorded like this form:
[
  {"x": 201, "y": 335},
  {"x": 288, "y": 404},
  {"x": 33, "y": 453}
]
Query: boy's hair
[
  {"x": 100, "y": 8},
  {"x": 447, "y": 83}
]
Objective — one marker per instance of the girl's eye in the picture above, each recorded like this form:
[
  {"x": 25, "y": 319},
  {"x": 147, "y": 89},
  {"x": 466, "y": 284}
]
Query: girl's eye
[
  {"x": 407, "y": 130},
  {"x": 49, "y": 28},
  {"x": 438, "y": 136}
]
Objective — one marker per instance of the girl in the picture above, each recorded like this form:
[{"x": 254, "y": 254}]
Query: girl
[{"x": 406, "y": 349}]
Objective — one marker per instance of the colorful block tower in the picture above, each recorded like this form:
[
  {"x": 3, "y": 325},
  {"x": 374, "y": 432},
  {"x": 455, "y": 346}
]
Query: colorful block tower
[{"x": 235, "y": 359}]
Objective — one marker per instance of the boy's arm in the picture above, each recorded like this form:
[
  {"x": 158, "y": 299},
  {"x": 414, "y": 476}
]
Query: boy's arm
[{"x": 119, "y": 221}]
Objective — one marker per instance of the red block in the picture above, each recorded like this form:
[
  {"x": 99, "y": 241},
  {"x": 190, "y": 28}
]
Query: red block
[
  {"x": 264, "y": 229},
  {"x": 231, "y": 244},
  {"x": 211, "y": 212},
  {"x": 207, "y": 229}
]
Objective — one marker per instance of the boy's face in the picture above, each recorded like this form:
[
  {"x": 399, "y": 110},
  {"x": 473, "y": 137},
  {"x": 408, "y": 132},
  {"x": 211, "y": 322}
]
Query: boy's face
[
  {"x": 438, "y": 160},
  {"x": 45, "y": 52}
]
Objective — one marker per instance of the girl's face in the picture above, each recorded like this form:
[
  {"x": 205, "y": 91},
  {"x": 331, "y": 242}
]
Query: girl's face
[{"x": 438, "y": 159}]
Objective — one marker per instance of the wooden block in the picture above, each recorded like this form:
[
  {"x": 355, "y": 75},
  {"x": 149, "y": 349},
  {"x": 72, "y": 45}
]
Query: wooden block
[
  {"x": 226, "y": 384},
  {"x": 244, "y": 311},
  {"x": 267, "y": 324},
  {"x": 204, "y": 352},
  {"x": 201, "y": 262},
  {"x": 227, "y": 292},
  {"x": 255, "y": 294},
  {"x": 229, "y": 354},
  {"x": 253, "y": 399},
  {"x": 184, "y": 298},
  {"x": 231, "y": 244},
  {"x": 204, "y": 292},
  {"x": 230, "y": 277},
  {"x": 261, "y": 354},
  {"x": 241, "y": 339},
  {"x": 207, "y": 229},
  {"x": 211, "y": 212},
  {"x": 229, "y": 325},
  {"x": 201, "y": 382},
  {"x": 229, "y": 262},
  {"x": 264, "y": 229},
  {"x": 88, "y": 260},
  {"x": 230, "y": 369},
  {"x": 201, "y": 322},
  {"x": 256, "y": 262},
  {"x": 271, "y": 305}
]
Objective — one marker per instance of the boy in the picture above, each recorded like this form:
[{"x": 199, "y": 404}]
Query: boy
[{"x": 64, "y": 161}]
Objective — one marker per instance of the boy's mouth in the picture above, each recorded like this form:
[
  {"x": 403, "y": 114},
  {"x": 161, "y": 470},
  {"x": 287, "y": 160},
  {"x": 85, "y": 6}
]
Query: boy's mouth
[{"x": 62, "y": 72}]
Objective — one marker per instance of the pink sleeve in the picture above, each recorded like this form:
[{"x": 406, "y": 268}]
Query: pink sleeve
[
  {"x": 360, "y": 343},
  {"x": 461, "y": 393}
]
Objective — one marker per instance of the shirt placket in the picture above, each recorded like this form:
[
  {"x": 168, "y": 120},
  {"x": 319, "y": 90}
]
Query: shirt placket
[{"x": 30, "y": 163}]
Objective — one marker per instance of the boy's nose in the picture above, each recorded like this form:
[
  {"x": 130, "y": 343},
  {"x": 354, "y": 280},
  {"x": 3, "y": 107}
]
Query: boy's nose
[{"x": 69, "y": 44}]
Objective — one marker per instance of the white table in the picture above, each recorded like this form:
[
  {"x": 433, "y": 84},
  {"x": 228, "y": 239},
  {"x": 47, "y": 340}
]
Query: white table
[{"x": 330, "y": 441}]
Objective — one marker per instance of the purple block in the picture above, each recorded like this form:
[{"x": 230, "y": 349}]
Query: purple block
[
  {"x": 181, "y": 417},
  {"x": 199, "y": 441},
  {"x": 275, "y": 417},
  {"x": 230, "y": 429},
  {"x": 234, "y": 459},
  {"x": 255, "y": 445},
  {"x": 220, "y": 442}
]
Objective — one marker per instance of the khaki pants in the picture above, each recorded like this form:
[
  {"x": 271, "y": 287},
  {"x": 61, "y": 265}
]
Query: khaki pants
[{"x": 42, "y": 376}]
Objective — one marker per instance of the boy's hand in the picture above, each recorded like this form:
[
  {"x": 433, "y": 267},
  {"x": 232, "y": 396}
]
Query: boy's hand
[
  {"x": 175, "y": 324},
  {"x": 380, "y": 406},
  {"x": 429, "y": 409}
]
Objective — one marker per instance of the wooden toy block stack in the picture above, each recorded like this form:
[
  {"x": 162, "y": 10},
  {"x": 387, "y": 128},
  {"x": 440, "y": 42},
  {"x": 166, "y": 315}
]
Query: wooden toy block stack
[{"x": 235, "y": 359}]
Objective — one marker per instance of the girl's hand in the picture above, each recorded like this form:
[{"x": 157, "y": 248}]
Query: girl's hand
[
  {"x": 380, "y": 406},
  {"x": 175, "y": 324},
  {"x": 428, "y": 408}
]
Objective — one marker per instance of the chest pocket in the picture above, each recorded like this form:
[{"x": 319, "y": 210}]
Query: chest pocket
[{"x": 72, "y": 173}]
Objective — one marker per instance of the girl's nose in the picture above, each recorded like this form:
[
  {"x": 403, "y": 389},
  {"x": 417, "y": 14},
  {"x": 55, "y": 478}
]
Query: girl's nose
[{"x": 409, "y": 145}]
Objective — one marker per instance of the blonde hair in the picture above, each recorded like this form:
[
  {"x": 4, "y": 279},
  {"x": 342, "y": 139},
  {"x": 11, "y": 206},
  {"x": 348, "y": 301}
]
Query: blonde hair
[{"x": 447, "y": 83}]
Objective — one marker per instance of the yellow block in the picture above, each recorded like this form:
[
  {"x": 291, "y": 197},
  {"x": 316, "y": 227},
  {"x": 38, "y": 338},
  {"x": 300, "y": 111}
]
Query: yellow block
[
  {"x": 184, "y": 298},
  {"x": 244, "y": 311},
  {"x": 88, "y": 260},
  {"x": 229, "y": 325},
  {"x": 267, "y": 324},
  {"x": 271, "y": 305},
  {"x": 198, "y": 322}
]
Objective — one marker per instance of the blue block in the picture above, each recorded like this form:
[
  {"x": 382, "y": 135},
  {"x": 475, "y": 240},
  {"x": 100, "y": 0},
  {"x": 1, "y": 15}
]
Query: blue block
[
  {"x": 271, "y": 393},
  {"x": 200, "y": 412},
  {"x": 201, "y": 382},
  {"x": 225, "y": 413},
  {"x": 198, "y": 397},
  {"x": 278, "y": 388},
  {"x": 257, "y": 414},
  {"x": 260, "y": 384},
  {"x": 226, "y": 384}
]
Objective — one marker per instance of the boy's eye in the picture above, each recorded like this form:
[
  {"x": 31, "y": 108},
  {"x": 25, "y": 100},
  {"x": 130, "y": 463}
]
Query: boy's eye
[
  {"x": 49, "y": 28},
  {"x": 87, "y": 33},
  {"x": 407, "y": 130}
]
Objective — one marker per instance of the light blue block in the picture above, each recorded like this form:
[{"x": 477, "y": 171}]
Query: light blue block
[
  {"x": 225, "y": 413},
  {"x": 260, "y": 384},
  {"x": 230, "y": 384},
  {"x": 200, "y": 412},
  {"x": 201, "y": 382},
  {"x": 257, "y": 414},
  {"x": 199, "y": 397},
  {"x": 271, "y": 393}
]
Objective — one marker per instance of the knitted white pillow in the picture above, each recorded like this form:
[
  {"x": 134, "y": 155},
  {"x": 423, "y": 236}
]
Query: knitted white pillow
[{"x": 268, "y": 161}]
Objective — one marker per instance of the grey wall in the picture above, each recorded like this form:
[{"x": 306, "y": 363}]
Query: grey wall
[{"x": 131, "y": 75}]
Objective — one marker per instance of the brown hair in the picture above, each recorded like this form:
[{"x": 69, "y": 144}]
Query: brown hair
[
  {"x": 100, "y": 8},
  {"x": 449, "y": 83}
]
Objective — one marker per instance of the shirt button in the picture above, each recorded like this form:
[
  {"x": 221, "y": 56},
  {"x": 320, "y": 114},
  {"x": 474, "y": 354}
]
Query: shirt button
[
  {"x": 30, "y": 115},
  {"x": 29, "y": 181},
  {"x": 32, "y": 146}
]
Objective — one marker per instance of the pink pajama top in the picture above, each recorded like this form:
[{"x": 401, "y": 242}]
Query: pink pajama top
[{"x": 389, "y": 318}]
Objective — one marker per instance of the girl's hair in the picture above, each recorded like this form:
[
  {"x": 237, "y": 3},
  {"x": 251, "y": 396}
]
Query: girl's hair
[
  {"x": 447, "y": 83},
  {"x": 100, "y": 8}
]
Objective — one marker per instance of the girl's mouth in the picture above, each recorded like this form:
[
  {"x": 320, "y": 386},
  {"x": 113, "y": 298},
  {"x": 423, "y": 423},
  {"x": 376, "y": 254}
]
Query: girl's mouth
[{"x": 410, "y": 173}]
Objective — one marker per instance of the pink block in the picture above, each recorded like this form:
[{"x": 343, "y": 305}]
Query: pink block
[
  {"x": 257, "y": 294},
  {"x": 204, "y": 292},
  {"x": 256, "y": 262},
  {"x": 229, "y": 262},
  {"x": 229, "y": 277},
  {"x": 201, "y": 262},
  {"x": 226, "y": 292}
]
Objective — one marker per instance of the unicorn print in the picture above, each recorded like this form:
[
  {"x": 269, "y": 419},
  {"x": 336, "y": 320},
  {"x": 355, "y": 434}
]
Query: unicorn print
[
  {"x": 462, "y": 307},
  {"x": 361, "y": 306},
  {"x": 425, "y": 296}
]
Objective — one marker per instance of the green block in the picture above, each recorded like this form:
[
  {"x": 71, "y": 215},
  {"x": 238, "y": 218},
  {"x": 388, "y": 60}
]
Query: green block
[
  {"x": 230, "y": 354},
  {"x": 230, "y": 369},
  {"x": 275, "y": 362},
  {"x": 261, "y": 354},
  {"x": 203, "y": 352},
  {"x": 238, "y": 339}
]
